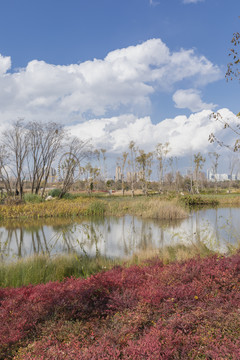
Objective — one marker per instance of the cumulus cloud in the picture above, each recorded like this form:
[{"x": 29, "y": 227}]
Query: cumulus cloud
[
  {"x": 122, "y": 82},
  {"x": 191, "y": 99},
  {"x": 185, "y": 134},
  {"x": 5, "y": 64}
]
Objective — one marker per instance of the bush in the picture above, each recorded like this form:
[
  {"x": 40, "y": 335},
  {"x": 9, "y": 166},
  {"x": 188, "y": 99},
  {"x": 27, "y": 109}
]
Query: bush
[
  {"x": 186, "y": 310},
  {"x": 32, "y": 198},
  {"x": 54, "y": 192}
]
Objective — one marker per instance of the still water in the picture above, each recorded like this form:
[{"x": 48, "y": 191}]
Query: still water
[{"x": 117, "y": 237}]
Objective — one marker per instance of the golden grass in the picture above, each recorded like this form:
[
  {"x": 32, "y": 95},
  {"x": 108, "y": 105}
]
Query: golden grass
[
  {"x": 153, "y": 208},
  {"x": 139, "y": 206}
]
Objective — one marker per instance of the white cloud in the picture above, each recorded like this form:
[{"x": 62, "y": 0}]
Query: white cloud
[
  {"x": 185, "y": 134},
  {"x": 191, "y": 99},
  {"x": 191, "y": 1},
  {"x": 5, "y": 64},
  {"x": 124, "y": 82}
]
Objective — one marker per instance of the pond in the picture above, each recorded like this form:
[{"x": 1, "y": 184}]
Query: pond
[{"x": 117, "y": 236}]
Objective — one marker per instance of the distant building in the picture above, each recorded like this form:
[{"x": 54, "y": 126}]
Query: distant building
[
  {"x": 221, "y": 177},
  {"x": 118, "y": 173}
]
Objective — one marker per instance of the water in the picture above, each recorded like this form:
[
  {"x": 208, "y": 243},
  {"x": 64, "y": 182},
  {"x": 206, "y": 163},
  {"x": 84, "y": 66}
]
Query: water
[{"x": 118, "y": 237}]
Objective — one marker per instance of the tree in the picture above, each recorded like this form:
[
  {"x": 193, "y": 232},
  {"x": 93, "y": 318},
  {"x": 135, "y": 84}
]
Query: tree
[
  {"x": 132, "y": 165},
  {"x": 122, "y": 162},
  {"x": 4, "y": 169},
  {"x": 161, "y": 153},
  {"x": 45, "y": 141},
  {"x": 16, "y": 142},
  {"x": 70, "y": 163},
  {"x": 91, "y": 173},
  {"x": 144, "y": 161},
  {"x": 214, "y": 156},
  {"x": 199, "y": 161},
  {"x": 233, "y": 70}
]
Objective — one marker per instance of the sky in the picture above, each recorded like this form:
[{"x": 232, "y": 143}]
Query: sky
[{"x": 151, "y": 71}]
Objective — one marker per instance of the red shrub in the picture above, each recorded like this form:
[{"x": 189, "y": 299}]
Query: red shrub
[{"x": 187, "y": 310}]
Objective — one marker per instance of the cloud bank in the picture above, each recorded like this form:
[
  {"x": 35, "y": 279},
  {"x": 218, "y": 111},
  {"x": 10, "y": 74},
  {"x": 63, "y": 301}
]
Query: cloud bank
[
  {"x": 122, "y": 82},
  {"x": 185, "y": 134}
]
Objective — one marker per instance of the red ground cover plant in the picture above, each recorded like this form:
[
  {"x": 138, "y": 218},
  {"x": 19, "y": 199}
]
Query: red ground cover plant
[{"x": 187, "y": 310}]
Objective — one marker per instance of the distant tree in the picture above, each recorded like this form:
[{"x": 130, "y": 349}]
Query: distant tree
[
  {"x": 161, "y": 153},
  {"x": 122, "y": 162},
  {"x": 199, "y": 161},
  {"x": 70, "y": 163},
  {"x": 16, "y": 143},
  {"x": 144, "y": 162},
  {"x": 132, "y": 164},
  {"x": 214, "y": 156}
]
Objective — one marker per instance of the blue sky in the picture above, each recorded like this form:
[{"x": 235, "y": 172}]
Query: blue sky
[{"x": 158, "y": 71}]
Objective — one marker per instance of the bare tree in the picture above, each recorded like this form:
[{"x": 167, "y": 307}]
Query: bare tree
[
  {"x": 161, "y": 153},
  {"x": 132, "y": 165},
  {"x": 233, "y": 70},
  {"x": 70, "y": 163},
  {"x": 144, "y": 161},
  {"x": 45, "y": 141},
  {"x": 199, "y": 161},
  {"x": 122, "y": 163},
  {"x": 233, "y": 163},
  {"x": 5, "y": 170},
  {"x": 214, "y": 156},
  {"x": 16, "y": 142}
]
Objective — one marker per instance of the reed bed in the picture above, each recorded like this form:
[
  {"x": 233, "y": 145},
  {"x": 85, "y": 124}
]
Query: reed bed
[
  {"x": 140, "y": 206},
  {"x": 44, "y": 268},
  {"x": 153, "y": 208}
]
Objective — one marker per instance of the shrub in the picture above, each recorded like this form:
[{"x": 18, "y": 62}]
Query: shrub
[
  {"x": 186, "y": 310},
  {"x": 32, "y": 198},
  {"x": 54, "y": 192}
]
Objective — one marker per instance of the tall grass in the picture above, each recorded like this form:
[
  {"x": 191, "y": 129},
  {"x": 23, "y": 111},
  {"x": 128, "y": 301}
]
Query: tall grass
[
  {"x": 141, "y": 206},
  {"x": 153, "y": 208},
  {"x": 42, "y": 269}
]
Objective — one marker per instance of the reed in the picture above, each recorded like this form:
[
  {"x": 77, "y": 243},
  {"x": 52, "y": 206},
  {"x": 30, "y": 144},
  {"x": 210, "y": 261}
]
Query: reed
[
  {"x": 152, "y": 207},
  {"x": 147, "y": 207},
  {"x": 43, "y": 268}
]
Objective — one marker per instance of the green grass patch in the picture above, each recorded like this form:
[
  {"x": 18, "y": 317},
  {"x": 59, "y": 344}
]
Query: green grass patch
[{"x": 43, "y": 268}]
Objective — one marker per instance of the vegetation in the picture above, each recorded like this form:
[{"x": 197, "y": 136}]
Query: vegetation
[
  {"x": 32, "y": 198},
  {"x": 186, "y": 310},
  {"x": 44, "y": 268},
  {"x": 150, "y": 207},
  {"x": 168, "y": 207}
]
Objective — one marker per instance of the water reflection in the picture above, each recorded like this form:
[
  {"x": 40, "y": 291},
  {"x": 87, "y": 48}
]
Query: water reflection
[{"x": 117, "y": 237}]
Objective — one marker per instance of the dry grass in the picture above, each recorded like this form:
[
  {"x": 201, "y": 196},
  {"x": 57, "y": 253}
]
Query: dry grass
[
  {"x": 153, "y": 208},
  {"x": 146, "y": 207}
]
